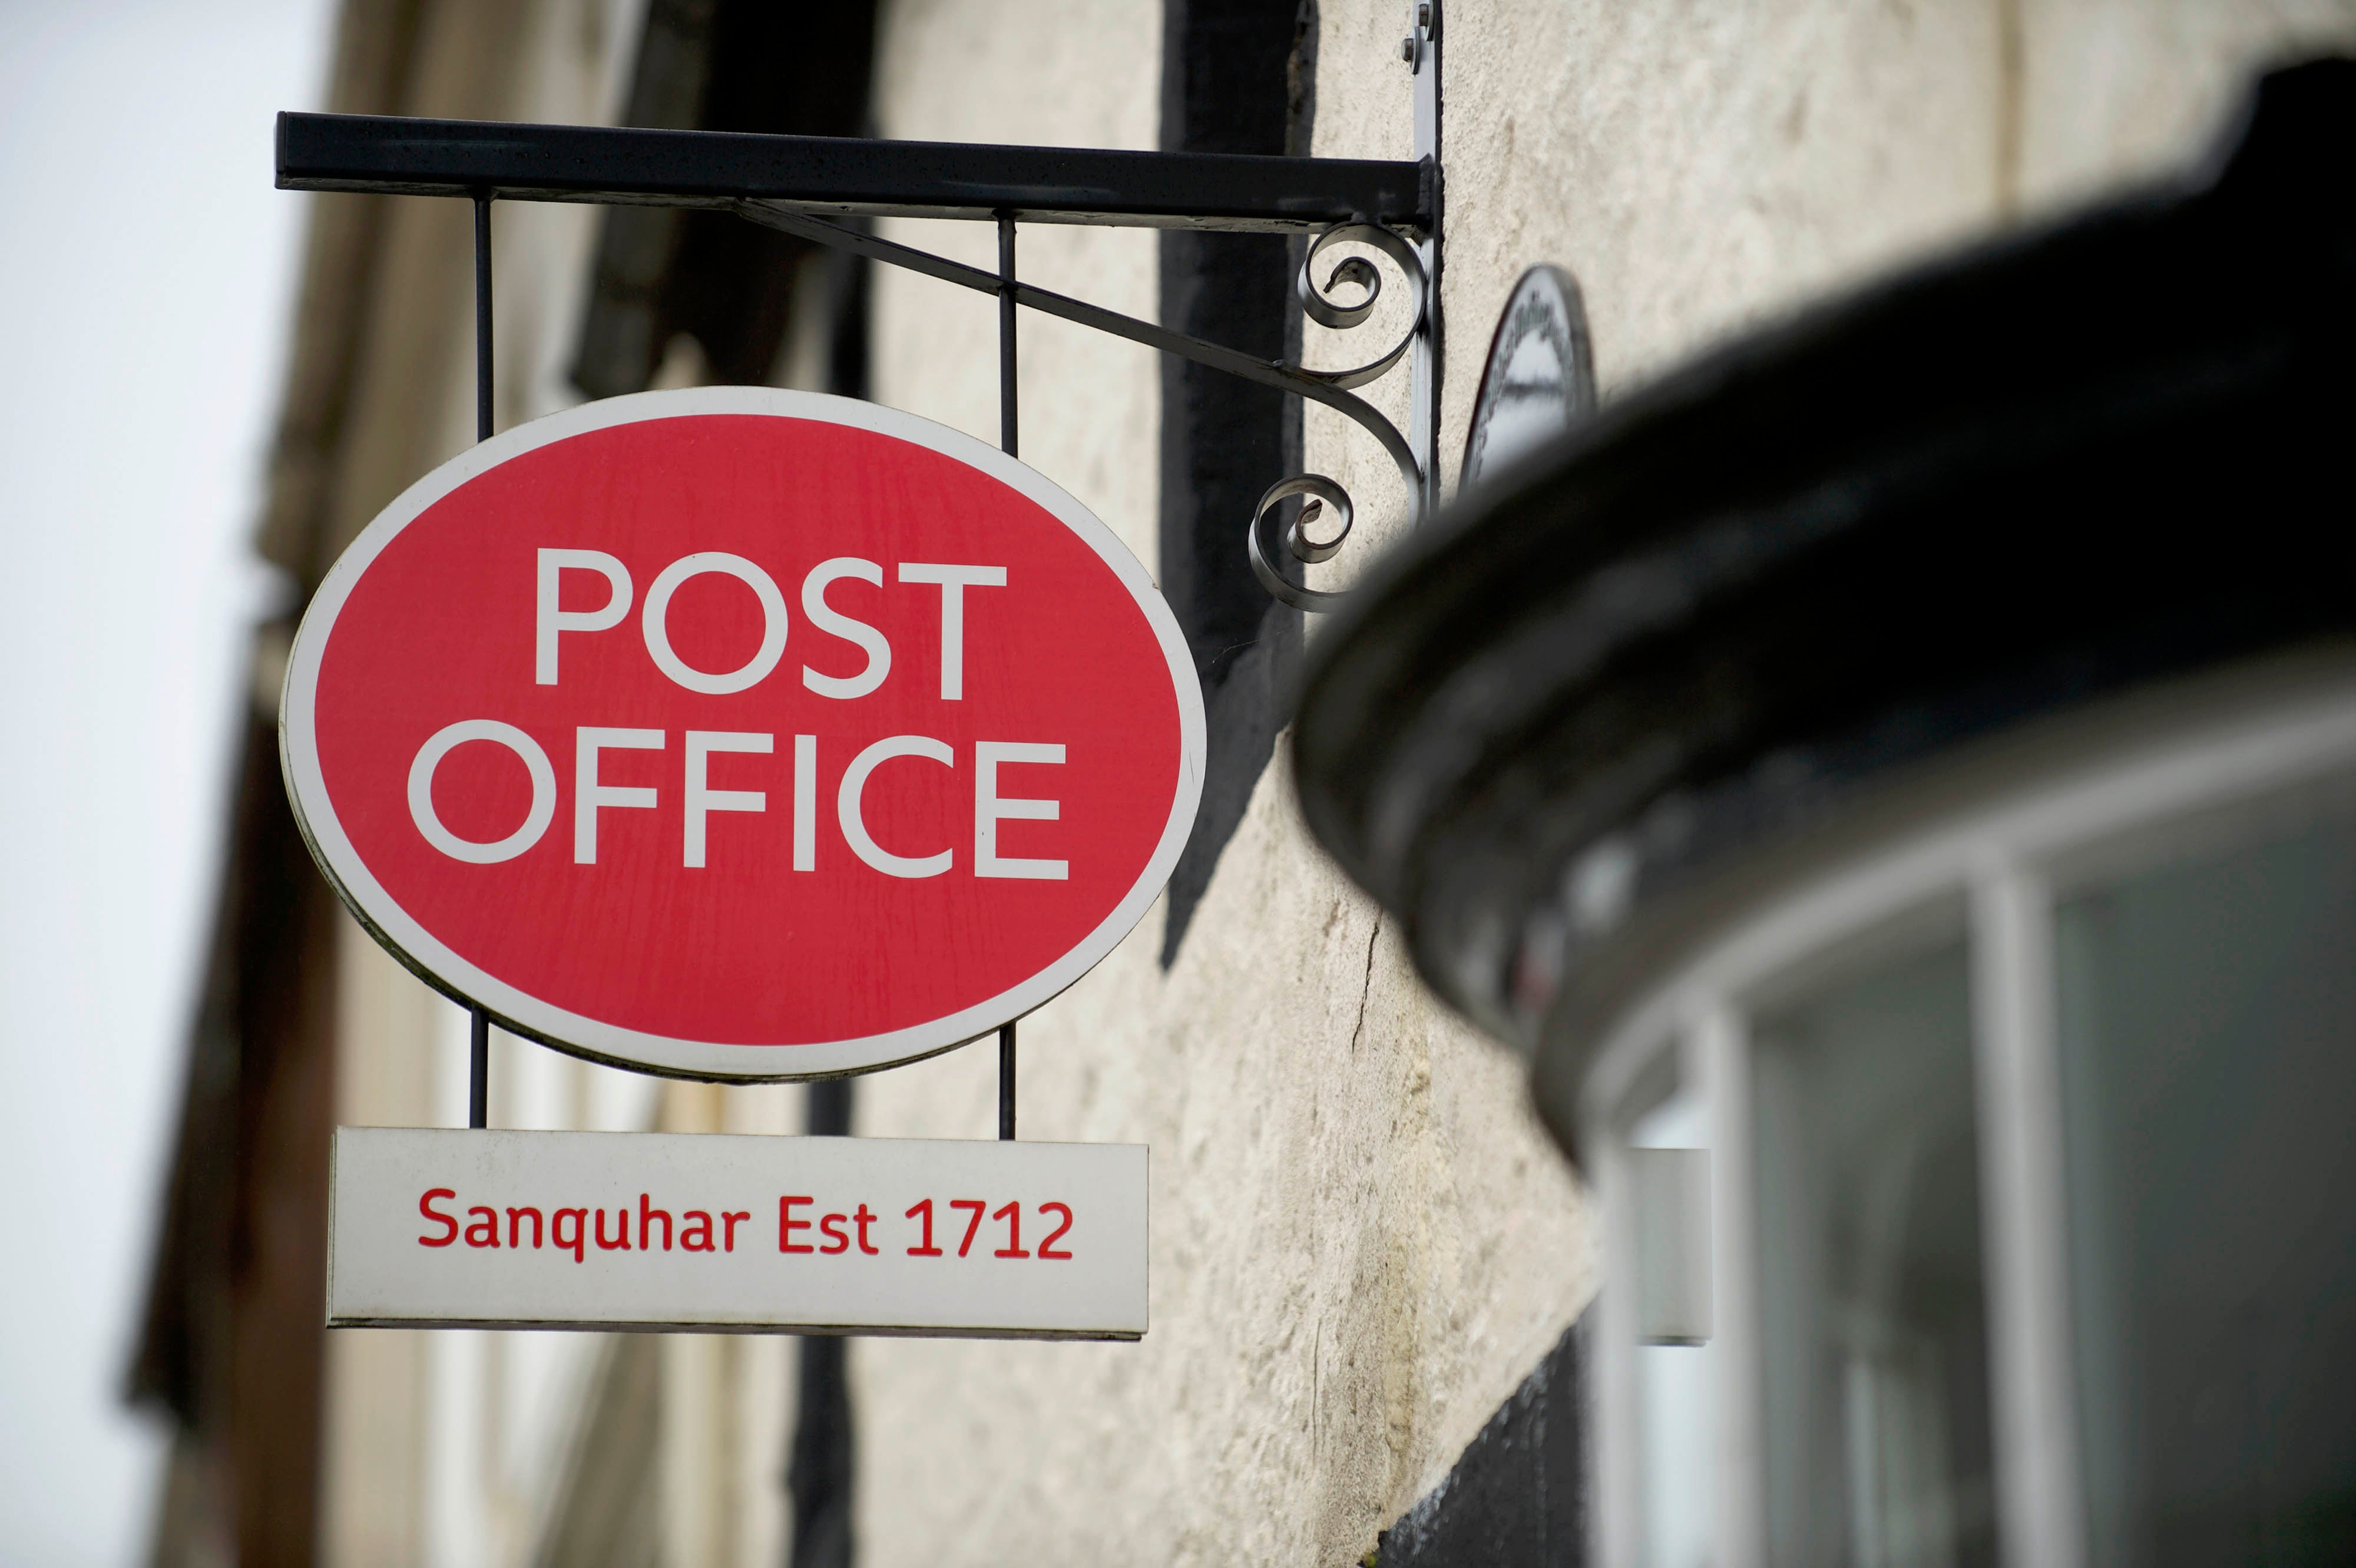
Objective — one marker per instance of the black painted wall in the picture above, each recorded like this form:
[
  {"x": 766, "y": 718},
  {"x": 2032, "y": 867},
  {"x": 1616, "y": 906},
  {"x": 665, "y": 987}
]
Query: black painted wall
[
  {"x": 1236, "y": 78},
  {"x": 1518, "y": 1498},
  {"x": 818, "y": 1473},
  {"x": 718, "y": 65}
]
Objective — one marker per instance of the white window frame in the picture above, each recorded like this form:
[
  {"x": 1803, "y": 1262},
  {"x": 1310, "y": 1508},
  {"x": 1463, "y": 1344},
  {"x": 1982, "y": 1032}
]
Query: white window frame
[{"x": 2126, "y": 791}]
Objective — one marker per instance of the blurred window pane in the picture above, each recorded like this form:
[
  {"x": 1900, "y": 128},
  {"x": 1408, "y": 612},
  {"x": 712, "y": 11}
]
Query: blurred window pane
[
  {"x": 1677, "y": 1384},
  {"x": 1873, "y": 1339},
  {"x": 2207, "y": 1049}
]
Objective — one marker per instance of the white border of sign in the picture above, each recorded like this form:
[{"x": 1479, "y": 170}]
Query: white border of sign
[{"x": 523, "y": 1014}]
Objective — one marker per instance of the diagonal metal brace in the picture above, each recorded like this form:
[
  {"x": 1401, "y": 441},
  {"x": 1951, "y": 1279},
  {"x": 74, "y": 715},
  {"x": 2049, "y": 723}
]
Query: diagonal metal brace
[{"x": 1325, "y": 387}]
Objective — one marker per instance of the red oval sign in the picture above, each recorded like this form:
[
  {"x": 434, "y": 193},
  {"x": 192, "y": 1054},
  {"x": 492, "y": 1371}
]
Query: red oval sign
[{"x": 742, "y": 733}]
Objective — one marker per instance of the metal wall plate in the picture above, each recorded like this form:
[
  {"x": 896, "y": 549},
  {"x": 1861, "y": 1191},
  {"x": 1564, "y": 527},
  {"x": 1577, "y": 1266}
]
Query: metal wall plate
[{"x": 1539, "y": 380}]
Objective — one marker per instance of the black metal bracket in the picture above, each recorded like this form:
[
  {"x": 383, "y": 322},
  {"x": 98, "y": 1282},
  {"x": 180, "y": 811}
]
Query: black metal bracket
[
  {"x": 1330, "y": 387},
  {"x": 847, "y": 177},
  {"x": 804, "y": 185}
]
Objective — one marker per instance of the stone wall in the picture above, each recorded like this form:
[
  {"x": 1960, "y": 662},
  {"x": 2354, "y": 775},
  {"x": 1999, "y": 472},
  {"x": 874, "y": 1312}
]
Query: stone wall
[
  {"x": 1361, "y": 1242},
  {"x": 1361, "y": 1245}
]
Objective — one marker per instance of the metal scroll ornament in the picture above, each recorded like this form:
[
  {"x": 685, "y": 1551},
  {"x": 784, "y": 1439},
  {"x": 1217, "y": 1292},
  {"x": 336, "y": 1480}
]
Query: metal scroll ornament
[{"x": 1332, "y": 389}]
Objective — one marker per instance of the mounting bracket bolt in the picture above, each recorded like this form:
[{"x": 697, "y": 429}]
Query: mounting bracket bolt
[{"x": 1412, "y": 46}]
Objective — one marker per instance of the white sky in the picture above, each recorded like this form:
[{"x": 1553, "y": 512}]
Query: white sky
[{"x": 145, "y": 288}]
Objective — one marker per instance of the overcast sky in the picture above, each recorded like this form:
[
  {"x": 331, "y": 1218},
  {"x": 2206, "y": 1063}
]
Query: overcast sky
[{"x": 146, "y": 278}]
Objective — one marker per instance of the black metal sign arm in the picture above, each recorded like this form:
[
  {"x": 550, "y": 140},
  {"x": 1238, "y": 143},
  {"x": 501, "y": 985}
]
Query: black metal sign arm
[
  {"x": 787, "y": 183},
  {"x": 847, "y": 176}
]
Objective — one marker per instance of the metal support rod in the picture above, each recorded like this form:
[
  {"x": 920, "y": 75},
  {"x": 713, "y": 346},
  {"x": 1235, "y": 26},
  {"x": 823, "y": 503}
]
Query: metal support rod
[
  {"x": 478, "y": 1055},
  {"x": 1006, "y": 430},
  {"x": 1006, "y": 1081},
  {"x": 844, "y": 178},
  {"x": 1425, "y": 43},
  {"x": 1006, "y": 439},
  {"x": 482, "y": 318}
]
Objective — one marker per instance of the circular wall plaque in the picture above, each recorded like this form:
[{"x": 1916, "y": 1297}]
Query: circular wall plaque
[{"x": 1539, "y": 380}]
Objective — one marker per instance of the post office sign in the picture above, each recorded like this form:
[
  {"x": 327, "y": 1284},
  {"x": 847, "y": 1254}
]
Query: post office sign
[{"x": 742, "y": 733}]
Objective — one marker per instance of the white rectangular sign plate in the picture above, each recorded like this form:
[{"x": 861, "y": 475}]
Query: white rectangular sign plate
[{"x": 436, "y": 1228}]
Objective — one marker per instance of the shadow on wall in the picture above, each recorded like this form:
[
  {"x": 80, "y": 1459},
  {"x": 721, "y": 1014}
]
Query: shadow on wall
[{"x": 1236, "y": 78}]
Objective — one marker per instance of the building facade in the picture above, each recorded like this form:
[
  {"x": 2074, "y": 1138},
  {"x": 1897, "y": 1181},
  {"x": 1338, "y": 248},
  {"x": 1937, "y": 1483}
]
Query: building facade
[{"x": 1370, "y": 1261}]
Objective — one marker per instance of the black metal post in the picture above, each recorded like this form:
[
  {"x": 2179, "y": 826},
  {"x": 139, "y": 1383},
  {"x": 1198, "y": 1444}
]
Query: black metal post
[
  {"x": 1006, "y": 334},
  {"x": 1006, "y": 439},
  {"x": 478, "y": 1085},
  {"x": 482, "y": 316},
  {"x": 1006, "y": 1081},
  {"x": 840, "y": 178}
]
